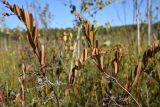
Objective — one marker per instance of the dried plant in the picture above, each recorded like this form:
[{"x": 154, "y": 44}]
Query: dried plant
[
  {"x": 96, "y": 54},
  {"x": 91, "y": 53}
]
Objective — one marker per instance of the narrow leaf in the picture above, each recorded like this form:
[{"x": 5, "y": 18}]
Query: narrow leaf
[
  {"x": 42, "y": 55},
  {"x": 17, "y": 11}
]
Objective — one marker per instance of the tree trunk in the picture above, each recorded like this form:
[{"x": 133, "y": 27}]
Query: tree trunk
[
  {"x": 138, "y": 27},
  {"x": 78, "y": 41},
  {"x": 149, "y": 21}
]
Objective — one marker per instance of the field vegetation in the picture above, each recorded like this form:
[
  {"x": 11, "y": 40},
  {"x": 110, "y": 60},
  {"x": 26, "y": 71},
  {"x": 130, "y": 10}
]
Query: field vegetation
[{"x": 90, "y": 67}]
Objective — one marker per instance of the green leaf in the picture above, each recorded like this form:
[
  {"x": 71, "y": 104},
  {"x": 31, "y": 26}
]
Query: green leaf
[
  {"x": 108, "y": 2},
  {"x": 73, "y": 8}
]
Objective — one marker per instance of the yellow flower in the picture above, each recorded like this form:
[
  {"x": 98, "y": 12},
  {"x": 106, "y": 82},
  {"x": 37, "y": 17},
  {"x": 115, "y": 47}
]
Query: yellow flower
[{"x": 65, "y": 38}]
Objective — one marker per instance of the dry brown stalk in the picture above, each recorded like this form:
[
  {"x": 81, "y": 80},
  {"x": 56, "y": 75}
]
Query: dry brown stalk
[
  {"x": 137, "y": 73},
  {"x": 32, "y": 29},
  {"x": 96, "y": 54},
  {"x": 21, "y": 95},
  {"x": 32, "y": 35},
  {"x": 116, "y": 81},
  {"x": 116, "y": 61},
  {"x": 93, "y": 51},
  {"x": 148, "y": 54}
]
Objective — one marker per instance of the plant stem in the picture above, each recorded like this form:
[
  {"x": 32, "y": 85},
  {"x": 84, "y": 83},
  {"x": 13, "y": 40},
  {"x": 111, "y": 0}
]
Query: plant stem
[
  {"x": 147, "y": 96},
  {"x": 116, "y": 81}
]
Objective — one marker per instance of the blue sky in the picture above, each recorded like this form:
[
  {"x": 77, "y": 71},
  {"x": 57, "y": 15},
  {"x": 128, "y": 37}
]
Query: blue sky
[{"x": 116, "y": 13}]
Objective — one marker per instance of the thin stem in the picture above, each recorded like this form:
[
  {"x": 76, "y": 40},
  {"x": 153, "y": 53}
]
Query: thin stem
[
  {"x": 116, "y": 81},
  {"x": 56, "y": 96},
  {"x": 127, "y": 92},
  {"x": 147, "y": 96}
]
